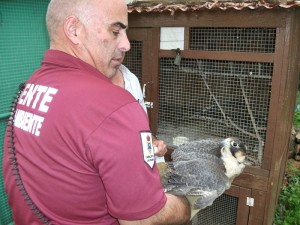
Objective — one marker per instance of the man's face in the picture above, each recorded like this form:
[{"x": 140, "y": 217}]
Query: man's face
[{"x": 106, "y": 41}]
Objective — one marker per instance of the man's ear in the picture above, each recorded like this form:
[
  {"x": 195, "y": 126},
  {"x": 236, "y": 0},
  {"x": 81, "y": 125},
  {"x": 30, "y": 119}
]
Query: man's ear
[{"x": 71, "y": 27}]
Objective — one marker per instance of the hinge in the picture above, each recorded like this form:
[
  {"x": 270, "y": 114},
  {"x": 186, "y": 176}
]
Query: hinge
[
  {"x": 250, "y": 202},
  {"x": 149, "y": 104}
]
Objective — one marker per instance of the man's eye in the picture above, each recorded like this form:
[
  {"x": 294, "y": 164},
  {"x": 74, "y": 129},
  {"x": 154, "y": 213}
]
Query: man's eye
[{"x": 116, "y": 33}]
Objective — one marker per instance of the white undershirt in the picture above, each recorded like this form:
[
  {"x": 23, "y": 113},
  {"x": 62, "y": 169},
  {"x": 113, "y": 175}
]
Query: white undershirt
[{"x": 132, "y": 85}]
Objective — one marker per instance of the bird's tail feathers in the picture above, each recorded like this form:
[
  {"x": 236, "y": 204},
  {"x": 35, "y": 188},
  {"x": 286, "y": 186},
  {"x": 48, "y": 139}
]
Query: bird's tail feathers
[{"x": 206, "y": 199}]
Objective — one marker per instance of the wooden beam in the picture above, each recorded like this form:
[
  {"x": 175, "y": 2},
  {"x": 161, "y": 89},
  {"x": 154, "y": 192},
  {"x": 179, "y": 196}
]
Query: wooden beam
[
  {"x": 211, "y": 18},
  {"x": 231, "y": 56},
  {"x": 253, "y": 181},
  {"x": 256, "y": 215}
]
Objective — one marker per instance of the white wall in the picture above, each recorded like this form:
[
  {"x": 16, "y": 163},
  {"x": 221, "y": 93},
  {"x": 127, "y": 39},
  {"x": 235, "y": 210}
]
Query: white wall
[{"x": 172, "y": 38}]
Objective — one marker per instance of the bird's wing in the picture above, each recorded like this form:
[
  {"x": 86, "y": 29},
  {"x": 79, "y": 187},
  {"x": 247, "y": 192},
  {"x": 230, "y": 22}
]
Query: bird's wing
[
  {"x": 195, "y": 177},
  {"x": 199, "y": 177},
  {"x": 199, "y": 155},
  {"x": 206, "y": 146}
]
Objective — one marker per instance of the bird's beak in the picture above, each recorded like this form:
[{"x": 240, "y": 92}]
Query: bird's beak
[{"x": 240, "y": 156}]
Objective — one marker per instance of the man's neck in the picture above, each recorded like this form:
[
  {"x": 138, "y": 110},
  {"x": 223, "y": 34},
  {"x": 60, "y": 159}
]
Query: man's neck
[{"x": 118, "y": 79}]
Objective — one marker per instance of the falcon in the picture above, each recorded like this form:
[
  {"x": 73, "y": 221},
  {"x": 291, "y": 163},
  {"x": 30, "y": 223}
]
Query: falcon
[{"x": 202, "y": 170}]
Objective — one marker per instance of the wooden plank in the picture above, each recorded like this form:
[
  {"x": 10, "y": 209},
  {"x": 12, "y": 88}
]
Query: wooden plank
[
  {"x": 257, "y": 171},
  {"x": 211, "y": 18},
  {"x": 287, "y": 97},
  {"x": 137, "y": 34},
  {"x": 280, "y": 142},
  {"x": 243, "y": 208},
  {"x": 233, "y": 191},
  {"x": 153, "y": 61},
  {"x": 145, "y": 37},
  {"x": 275, "y": 105},
  {"x": 150, "y": 67},
  {"x": 256, "y": 215},
  {"x": 215, "y": 55},
  {"x": 186, "y": 38},
  {"x": 252, "y": 181}
]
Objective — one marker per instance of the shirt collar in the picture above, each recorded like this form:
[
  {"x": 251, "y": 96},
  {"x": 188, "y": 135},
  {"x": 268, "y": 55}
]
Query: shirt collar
[{"x": 62, "y": 59}]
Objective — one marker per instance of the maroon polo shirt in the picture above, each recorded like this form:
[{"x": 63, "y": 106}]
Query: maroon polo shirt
[{"x": 79, "y": 148}]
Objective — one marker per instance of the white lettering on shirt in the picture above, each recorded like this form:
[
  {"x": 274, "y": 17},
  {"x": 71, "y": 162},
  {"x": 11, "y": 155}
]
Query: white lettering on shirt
[
  {"x": 36, "y": 97},
  {"x": 47, "y": 99},
  {"x": 28, "y": 122}
]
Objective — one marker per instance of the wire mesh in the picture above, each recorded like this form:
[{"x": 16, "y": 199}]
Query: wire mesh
[
  {"x": 222, "y": 212},
  {"x": 133, "y": 59},
  {"x": 233, "y": 39},
  {"x": 203, "y": 98}
]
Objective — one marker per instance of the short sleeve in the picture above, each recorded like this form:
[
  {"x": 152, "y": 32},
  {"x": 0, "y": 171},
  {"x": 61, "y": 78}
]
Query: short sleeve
[{"x": 133, "y": 188}]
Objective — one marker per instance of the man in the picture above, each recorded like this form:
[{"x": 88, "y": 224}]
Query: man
[
  {"x": 126, "y": 79},
  {"x": 78, "y": 150}
]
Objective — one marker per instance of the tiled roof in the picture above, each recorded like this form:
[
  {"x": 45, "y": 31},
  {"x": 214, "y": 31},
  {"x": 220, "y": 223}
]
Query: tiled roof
[{"x": 173, "y": 6}]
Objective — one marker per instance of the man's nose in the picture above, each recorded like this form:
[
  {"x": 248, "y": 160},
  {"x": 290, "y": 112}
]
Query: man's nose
[{"x": 124, "y": 44}]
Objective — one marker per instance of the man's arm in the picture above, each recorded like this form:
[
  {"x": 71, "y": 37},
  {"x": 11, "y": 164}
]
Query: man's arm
[{"x": 176, "y": 211}]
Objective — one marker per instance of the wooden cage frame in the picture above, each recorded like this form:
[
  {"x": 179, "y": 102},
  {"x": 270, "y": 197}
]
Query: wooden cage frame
[{"x": 262, "y": 184}]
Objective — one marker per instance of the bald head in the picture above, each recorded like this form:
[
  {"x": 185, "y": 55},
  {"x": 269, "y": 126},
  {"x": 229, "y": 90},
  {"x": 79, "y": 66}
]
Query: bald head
[
  {"x": 59, "y": 10},
  {"x": 92, "y": 30}
]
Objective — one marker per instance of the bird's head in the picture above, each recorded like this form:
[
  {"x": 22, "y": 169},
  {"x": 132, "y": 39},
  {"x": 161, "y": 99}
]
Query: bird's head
[{"x": 236, "y": 148}]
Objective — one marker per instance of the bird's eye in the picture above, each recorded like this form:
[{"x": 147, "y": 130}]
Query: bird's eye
[{"x": 234, "y": 144}]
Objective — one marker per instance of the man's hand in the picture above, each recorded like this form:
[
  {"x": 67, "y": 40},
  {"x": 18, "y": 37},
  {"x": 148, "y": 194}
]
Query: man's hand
[{"x": 160, "y": 145}]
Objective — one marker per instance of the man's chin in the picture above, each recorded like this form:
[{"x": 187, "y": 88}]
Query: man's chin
[{"x": 111, "y": 72}]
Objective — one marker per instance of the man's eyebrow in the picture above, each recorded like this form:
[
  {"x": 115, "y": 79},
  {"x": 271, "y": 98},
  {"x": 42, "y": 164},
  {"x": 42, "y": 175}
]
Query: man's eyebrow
[{"x": 119, "y": 24}]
